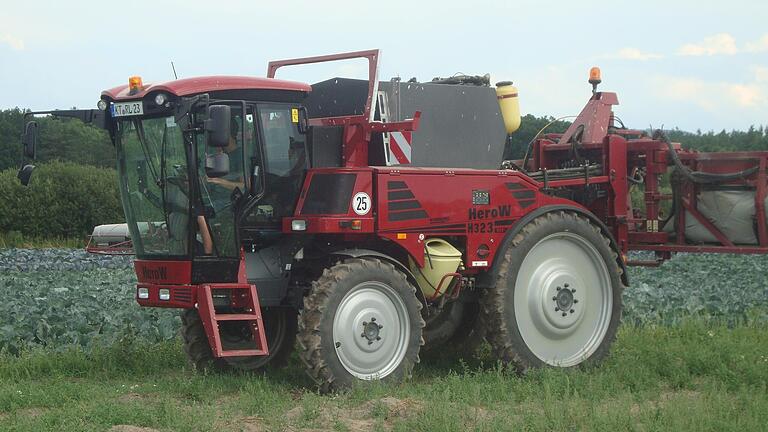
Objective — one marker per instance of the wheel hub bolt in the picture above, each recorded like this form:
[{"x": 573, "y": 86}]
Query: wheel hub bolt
[
  {"x": 564, "y": 300},
  {"x": 371, "y": 331}
]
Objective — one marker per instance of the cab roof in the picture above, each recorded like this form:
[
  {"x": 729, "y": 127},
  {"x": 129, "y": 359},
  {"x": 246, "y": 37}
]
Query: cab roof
[{"x": 190, "y": 86}]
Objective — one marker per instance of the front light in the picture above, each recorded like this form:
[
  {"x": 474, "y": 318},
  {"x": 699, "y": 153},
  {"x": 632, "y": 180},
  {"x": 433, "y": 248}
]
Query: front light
[
  {"x": 102, "y": 105},
  {"x": 298, "y": 225},
  {"x": 143, "y": 293},
  {"x": 161, "y": 99},
  {"x": 164, "y": 294}
]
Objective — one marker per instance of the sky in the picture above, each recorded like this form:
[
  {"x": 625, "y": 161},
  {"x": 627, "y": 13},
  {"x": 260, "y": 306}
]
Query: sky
[{"x": 695, "y": 65}]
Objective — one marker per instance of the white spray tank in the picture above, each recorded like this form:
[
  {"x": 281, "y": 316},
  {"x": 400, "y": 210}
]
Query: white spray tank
[{"x": 440, "y": 258}]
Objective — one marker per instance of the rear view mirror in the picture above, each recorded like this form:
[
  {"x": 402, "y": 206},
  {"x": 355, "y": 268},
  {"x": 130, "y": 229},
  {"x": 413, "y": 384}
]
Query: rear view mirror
[
  {"x": 303, "y": 124},
  {"x": 25, "y": 173},
  {"x": 217, "y": 165},
  {"x": 218, "y": 125},
  {"x": 29, "y": 139}
]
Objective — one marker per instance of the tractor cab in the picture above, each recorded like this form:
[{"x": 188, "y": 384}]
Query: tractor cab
[{"x": 199, "y": 158}]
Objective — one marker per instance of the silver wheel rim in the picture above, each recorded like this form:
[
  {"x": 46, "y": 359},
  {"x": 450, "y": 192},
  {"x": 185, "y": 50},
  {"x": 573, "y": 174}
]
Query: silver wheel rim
[
  {"x": 563, "y": 299},
  {"x": 371, "y": 330}
]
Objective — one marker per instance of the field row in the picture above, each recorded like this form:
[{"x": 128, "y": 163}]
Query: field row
[{"x": 61, "y": 297}]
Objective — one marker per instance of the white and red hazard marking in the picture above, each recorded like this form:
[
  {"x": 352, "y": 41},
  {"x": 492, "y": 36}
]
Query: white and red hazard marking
[{"x": 400, "y": 147}]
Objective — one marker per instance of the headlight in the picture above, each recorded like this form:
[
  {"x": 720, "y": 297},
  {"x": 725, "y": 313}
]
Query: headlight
[
  {"x": 161, "y": 99},
  {"x": 102, "y": 105},
  {"x": 143, "y": 293},
  {"x": 164, "y": 294}
]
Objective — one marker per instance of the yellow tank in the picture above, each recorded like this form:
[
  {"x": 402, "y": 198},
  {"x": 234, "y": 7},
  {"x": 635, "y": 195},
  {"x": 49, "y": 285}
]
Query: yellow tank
[
  {"x": 440, "y": 258},
  {"x": 506, "y": 93}
]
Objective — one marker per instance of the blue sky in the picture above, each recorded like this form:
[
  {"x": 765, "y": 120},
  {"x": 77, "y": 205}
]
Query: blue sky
[{"x": 687, "y": 64}]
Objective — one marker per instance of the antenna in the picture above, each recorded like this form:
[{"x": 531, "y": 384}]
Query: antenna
[{"x": 174, "y": 71}]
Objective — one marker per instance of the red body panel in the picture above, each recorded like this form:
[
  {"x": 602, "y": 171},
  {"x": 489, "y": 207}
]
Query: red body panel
[
  {"x": 438, "y": 202},
  {"x": 167, "y": 272}
]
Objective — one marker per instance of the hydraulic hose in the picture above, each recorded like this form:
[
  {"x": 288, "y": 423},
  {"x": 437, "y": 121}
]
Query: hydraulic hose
[{"x": 700, "y": 177}]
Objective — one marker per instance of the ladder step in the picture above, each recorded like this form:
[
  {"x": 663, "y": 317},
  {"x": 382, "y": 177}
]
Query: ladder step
[
  {"x": 243, "y": 353},
  {"x": 236, "y": 317},
  {"x": 229, "y": 287}
]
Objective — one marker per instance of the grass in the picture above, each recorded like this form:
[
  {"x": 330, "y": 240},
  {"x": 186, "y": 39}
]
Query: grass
[{"x": 696, "y": 376}]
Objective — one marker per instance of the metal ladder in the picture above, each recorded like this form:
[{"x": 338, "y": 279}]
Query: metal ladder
[{"x": 249, "y": 300}]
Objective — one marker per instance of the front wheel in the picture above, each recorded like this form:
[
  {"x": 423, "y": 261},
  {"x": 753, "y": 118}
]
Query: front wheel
[
  {"x": 361, "y": 322},
  {"x": 557, "y": 297}
]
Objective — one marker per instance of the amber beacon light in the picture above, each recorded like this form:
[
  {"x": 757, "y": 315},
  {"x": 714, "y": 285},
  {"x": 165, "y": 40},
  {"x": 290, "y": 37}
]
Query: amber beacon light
[{"x": 134, "y": 84}]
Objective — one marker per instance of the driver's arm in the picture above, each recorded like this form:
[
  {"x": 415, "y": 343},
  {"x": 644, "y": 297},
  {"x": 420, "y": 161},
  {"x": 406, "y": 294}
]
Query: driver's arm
[{"x": 228, "y": 184}]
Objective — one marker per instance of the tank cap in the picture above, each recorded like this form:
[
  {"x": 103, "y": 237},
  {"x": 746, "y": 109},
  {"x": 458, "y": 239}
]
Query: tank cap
[{"x": 503, "y": 83}]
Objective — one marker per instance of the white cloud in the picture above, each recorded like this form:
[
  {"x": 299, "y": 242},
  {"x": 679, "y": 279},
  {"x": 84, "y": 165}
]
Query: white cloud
[
  {"x": 761, "y": 74},
  {"x": 630, "y": 53},
  {"x": 758, "y": 45},
  {"x": 721, "y": 43},
  {"x": 14, "y": 42},
  {"x": 747, "y": 96},
  {"x": 713, "y": 95}
]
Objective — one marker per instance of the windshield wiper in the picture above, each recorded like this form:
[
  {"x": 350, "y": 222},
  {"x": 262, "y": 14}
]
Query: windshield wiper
[
  {"x": 163, "y": 190},
  {"x": 145, "y": 149}
]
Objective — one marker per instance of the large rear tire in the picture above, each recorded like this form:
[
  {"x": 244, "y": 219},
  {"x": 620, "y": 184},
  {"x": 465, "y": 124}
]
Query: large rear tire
[
  {"x": 280, "y": 326},
  {"x": 360, "y": 322},
  {"x": 557, "y": 298}
]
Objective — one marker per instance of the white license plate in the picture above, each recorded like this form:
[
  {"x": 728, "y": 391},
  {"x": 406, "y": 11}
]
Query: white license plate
[{"x": 124, "y": 109}]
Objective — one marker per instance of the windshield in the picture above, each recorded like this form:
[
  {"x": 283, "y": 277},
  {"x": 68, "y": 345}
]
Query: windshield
[{"x": 154, "y": 185}]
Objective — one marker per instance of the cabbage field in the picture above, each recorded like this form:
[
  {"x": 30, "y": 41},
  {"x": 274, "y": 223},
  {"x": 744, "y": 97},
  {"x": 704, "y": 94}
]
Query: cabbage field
[{"x": 56, "y": 298}]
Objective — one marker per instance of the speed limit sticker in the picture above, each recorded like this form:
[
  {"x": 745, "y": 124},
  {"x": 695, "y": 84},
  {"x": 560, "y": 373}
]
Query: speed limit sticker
[{"x": 361, "y": 203}]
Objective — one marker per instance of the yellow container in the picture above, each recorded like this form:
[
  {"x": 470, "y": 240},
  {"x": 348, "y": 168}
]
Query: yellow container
[
  {"x": 440, "y": 258},
  {"x": 509, "y": 104}
]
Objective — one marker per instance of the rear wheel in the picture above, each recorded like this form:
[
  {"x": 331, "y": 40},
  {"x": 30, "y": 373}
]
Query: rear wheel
[
  {"x": 279, "y": 324},
  {"x": 557, "y": 297},
  {"x": 360, "y": 322}
]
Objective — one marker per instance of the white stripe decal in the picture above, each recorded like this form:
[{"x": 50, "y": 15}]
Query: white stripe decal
[{"x": 402, "y": 143}]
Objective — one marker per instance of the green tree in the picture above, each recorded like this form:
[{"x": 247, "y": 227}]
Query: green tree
[{"x": 63, "y": 200}]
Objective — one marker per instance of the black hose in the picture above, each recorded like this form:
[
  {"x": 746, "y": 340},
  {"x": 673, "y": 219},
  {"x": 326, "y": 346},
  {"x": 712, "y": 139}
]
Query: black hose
[{"x": 701, "y": 177}]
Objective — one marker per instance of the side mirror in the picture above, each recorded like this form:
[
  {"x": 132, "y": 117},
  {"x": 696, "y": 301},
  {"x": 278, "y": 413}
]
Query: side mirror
[
  {"x": 217, "y": 164},
  {"x": 303, "y": 124},
  {"x": 218, "y": 125},
  {"x": 29, "y": 139},
  {"x": 25, "y": 173}
]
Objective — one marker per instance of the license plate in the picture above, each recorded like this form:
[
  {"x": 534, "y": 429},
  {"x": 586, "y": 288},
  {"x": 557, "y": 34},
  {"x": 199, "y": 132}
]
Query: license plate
[{"x": 124, "y": 109}]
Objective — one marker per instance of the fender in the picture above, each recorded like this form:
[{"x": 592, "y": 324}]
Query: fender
[
  {"x": 512, "y": 232},
  {"x": 367, "y": 253}
]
